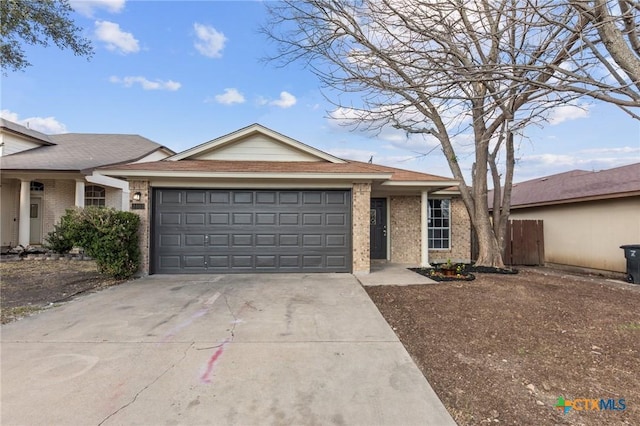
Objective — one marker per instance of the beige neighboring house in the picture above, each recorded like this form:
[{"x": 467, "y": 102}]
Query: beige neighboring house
[
  {"x": 43, "y": 175},
  {"x": 587, "y": 215},
  {"x": 257, "y": 201}
]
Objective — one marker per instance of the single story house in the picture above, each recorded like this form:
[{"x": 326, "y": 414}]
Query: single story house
[
  {"x": 587, "y": 216},
  {"x": 43, "y": 175},
  {"x": 258, "y": 201}
]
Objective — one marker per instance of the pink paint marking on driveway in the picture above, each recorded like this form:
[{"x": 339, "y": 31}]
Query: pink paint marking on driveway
[{"x": 206, "y": 376}]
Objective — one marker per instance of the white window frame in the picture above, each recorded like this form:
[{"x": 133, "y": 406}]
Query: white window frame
[
  {"x": 432, "y": 229},
  {"x": 93, "y": 198}
]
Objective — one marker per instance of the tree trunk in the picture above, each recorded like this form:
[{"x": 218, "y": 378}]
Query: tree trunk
[{"x": 489, "y": 253}]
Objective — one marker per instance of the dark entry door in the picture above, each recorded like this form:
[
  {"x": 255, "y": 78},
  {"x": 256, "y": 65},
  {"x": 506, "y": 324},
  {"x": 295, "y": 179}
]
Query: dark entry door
[{"x": 378, "y": 228}]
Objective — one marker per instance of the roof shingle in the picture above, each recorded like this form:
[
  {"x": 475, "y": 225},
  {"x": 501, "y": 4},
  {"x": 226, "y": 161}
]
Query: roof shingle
[
  {"x": 277, "y": 167},
  {"x": 80, "y": 151},
  {"x": 575, "y": 185}
]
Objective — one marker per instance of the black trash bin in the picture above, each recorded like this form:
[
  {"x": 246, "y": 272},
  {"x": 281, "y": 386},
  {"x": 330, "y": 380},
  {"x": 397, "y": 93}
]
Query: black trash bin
[{"x": 632, "y": 254}]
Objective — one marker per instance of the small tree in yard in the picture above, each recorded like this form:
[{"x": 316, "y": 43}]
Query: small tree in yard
[
  {"x": 107, "y": 235},
  {"x": 467, "y": 74}
]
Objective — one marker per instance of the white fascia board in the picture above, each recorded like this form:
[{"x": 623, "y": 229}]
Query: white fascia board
[
  {"x": 100, "y": 179},
  {"x": 234, "y": 184},
  {"x": 444, "y": 193},
  {"x": 255, "y": 128},
  {"x": 247, "y": 175},
  {"x": 418, "y": 183}
]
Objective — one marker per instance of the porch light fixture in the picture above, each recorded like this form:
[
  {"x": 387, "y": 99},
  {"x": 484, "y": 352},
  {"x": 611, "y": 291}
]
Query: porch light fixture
[{"x": 137, "y": 196}]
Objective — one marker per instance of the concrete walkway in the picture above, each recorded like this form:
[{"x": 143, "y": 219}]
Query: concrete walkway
[
  {"x": 387, "y": 273},
  {"x": 195, "y": 350}
]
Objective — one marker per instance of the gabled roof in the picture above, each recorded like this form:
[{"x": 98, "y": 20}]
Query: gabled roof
[
  {"x": 32, "y": 135},
  {"x": 576, "y": 186},
  {"x": 239, "y": 135},
  {"x": 80, "y": 151},
  {"x": 274, "y": 169}
]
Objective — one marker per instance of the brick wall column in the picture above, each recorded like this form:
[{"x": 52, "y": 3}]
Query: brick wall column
[
  {"x": 361, "y": 206},
  {"x": 143, "y": 187}
]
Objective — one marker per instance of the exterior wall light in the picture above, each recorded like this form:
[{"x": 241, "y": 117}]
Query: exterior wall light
[{"x": 137, "y": 196}]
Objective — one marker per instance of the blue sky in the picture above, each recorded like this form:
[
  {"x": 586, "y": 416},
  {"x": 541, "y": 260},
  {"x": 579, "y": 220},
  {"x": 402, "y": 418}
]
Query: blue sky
[{"x": 184, "y": 72}]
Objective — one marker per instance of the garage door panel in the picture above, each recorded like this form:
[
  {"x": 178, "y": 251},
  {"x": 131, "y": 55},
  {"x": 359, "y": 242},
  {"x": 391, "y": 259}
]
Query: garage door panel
[
  {"x": 287, "y": 219},
  {"x": 170, "y": 219},
  {"x": 242, "y": 219},
  {"x": 265, "y": 218},
  {"x": 336, "y": 240},
  {"x": 219, "y": 218},
  {"x": 194, "y": 219},
  {"x": 266, "y": 198},
  {"x": 266, "y": 261},
  {"x": 312, "y": 219},
  {"x": 289, "y": 197},
  {"x": 194, "y": 261},
  {"x": 170, "y": 240},
  {"x": 196, "y": 197},
  {"x": 266, "y": 240},
  {"x": 243, "y": 197},
  {"x": 336, "y": 219},
  {"x": 218, "y": 231},
  {"x": 169, "y": 262}
]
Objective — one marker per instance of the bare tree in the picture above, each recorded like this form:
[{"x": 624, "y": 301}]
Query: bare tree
[
  {"x": 37, "y": 22},
  {"x": 452, "y": 70},
  {"x": 617, "y": 31}
]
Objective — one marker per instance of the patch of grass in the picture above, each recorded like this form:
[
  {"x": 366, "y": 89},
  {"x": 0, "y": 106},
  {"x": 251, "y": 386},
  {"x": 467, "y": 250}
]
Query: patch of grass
[
  {"x": 630, "y": 326},
  {"x": 12, "y": 314}
]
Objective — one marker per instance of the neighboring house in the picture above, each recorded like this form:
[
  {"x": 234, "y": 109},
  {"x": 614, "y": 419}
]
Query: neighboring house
[
  {"x": 258, "y": 201},
  {"x": 586, "y": 215},
  {"x": 43, "y": 175}
]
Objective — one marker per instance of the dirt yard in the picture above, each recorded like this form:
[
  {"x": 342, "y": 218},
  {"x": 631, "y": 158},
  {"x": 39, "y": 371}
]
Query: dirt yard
[
  {"x": 503, "y": 348},
  {"x": 28, "y": 286},
  {"x": 497, "y": 350}
]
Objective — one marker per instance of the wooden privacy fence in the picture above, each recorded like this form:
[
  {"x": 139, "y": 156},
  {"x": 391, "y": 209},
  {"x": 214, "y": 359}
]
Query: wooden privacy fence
[{"x": 526, "y": 245}]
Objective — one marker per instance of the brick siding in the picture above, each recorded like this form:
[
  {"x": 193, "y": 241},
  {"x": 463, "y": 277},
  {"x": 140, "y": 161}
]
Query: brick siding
[
  {"x": 361, "y": 206},
  {"x": 406, "y": 238},
  {"x": 142, "y": 186}
]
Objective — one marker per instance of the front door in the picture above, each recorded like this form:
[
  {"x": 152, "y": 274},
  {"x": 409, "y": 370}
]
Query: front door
[
  {"x": 378, "y": 228},
  {"x": 35, "y": 215}
]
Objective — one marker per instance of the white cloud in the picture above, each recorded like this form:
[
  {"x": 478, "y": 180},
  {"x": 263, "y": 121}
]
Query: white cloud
[
  {"x": 229, "y": 97},
  {"x": 88, "y": 7},
  {"x": 568, "y": 112},
  {"x": 146, "y": 84},
  {"x": 116, "y": 39},
  {"x": 211, "y": 41},
  {"x": 286, "y": 100},
  {"x": 48, "y": 125},
  {"x": 624, "y": 150}
]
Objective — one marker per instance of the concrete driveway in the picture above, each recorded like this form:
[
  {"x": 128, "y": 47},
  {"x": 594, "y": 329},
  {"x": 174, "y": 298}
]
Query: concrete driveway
[{"x": 232, "y": 349}]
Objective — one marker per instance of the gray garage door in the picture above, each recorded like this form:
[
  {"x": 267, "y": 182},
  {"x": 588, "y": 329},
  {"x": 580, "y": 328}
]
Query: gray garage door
[{"x": 235, "y": 231}]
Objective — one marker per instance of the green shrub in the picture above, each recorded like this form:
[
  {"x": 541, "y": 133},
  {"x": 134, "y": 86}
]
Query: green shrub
[
  {"x": 107, "y": 235},
  {"x": 60, "y": 240}
]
